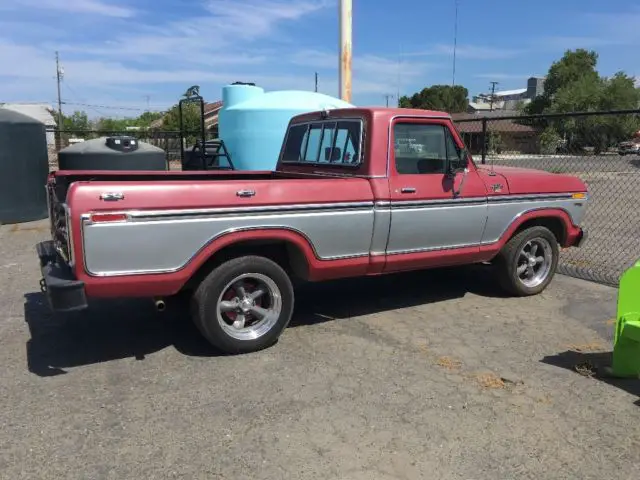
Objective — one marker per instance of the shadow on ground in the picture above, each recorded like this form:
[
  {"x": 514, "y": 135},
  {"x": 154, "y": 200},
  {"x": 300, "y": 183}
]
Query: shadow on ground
[
  {"x": 593, "y": 364},
  {"x": 111, "y": 330}
]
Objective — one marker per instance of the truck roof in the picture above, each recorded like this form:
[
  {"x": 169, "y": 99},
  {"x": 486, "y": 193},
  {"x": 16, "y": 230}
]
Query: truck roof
[{"x": 369, "y": 112}]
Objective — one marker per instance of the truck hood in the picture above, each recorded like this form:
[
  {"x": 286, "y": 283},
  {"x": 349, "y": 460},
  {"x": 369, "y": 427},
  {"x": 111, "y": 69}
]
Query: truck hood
[{"x": 528, "y": 180}]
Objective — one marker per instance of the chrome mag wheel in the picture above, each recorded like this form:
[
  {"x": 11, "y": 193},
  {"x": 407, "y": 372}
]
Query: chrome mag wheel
[
  {"x": 249, "y": 306},
  {"x": 534, "y": 262}
]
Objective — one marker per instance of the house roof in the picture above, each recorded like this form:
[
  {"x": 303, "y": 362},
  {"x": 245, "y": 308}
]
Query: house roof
[
  {"x": 517, "y": 91},
  {"x": 472, "y": 123},
  {"x": 40, "y": 111}
]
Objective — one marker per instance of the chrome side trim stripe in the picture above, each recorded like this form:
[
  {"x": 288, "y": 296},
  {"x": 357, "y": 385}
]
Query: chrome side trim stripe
[
  {"x": 340, "y": 206},
  {"x": 530, "y": 198},
  {"x": 433, "y": 249}
]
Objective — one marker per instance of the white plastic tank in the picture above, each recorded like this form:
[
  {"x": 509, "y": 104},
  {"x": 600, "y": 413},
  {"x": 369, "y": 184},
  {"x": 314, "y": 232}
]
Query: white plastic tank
[{"x": 252, "y": 122}]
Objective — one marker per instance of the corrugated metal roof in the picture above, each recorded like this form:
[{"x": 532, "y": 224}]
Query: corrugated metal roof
[
  {"x": 517, "y": 91},
  {"x": 40, "y": 111}
]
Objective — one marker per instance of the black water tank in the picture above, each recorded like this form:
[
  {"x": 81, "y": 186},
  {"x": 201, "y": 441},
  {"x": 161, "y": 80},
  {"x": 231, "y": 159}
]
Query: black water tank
[
  {"x": 24, "y": 166},
  {"x": 112, "y": 153}
]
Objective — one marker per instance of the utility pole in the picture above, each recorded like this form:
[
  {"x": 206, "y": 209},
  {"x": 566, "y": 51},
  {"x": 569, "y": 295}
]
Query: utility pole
[
  {"x": 455, "y": 44},
  {"x": 493, "y": 93},
  {"x": 316, "y": 89},
  {"x": 387, "y": 97},
  {"x": 59, "y": 75},
  {"x": 345, "y": 14}
]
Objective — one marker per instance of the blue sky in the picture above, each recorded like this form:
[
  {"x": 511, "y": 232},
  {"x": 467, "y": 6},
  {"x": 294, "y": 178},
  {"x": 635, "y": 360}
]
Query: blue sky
[{"x": 116, "y": 53}]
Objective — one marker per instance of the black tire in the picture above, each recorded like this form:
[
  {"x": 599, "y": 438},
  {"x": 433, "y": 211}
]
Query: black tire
[
  {"x": 204, "y": 303},
  {"x": 506, "y": 262}
]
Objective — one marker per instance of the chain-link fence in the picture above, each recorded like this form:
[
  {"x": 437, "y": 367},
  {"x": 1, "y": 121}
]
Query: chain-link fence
[{"x": 602, "y": 148}]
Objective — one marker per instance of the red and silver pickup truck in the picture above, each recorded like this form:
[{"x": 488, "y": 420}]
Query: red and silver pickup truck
[{"x": 346, "y": 199}]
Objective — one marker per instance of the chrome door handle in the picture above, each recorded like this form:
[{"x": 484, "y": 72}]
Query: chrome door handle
[
  {"x": 245, "y": 193},
  {"x": 408, "y": 190}
]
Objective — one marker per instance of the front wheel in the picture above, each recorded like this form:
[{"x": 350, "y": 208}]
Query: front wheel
[
  {"x": 244, "y": 304},
  {"x": 528, "y": 261}
]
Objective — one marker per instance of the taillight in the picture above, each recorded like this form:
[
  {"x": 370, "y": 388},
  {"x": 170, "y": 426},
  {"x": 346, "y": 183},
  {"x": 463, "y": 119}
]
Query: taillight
[{"x": 108, "y": 217}]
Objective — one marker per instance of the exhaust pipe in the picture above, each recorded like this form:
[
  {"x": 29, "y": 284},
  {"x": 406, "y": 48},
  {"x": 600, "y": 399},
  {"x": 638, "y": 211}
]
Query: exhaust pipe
[{"x": 160, "y": 304}]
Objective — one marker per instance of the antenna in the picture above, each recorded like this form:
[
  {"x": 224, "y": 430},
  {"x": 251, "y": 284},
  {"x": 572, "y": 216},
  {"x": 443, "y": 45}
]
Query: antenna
[
  {"x": 455, "y": 43},
  {"x": 59, "y": 75},
  {"x": 316, "y": 90},
  {"x": 387, "y": 97}
]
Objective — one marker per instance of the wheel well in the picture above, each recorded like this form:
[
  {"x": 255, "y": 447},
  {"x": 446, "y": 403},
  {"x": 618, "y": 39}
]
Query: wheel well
[
  {"x": 554, "y": 224},
  {"x": 286, "y": 254}
]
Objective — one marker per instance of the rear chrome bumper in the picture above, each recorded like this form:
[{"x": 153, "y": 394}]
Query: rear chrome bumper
[{"x": 64, "y": 292}]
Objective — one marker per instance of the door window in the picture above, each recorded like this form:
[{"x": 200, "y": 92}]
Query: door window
[{"x": 423, "y": 148}]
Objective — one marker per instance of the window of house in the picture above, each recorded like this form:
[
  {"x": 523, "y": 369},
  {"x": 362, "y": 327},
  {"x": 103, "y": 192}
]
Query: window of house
[
  {"x": 329, "y": 142},
  {"x": 424, "y": 148}
]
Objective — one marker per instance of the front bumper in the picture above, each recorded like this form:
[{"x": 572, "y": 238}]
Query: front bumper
[{"x": 63, "y": 291}]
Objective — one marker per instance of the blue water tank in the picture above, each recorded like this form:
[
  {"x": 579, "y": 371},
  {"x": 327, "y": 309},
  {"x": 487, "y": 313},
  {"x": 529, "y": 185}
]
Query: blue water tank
[{"x": 253, "y": 123}]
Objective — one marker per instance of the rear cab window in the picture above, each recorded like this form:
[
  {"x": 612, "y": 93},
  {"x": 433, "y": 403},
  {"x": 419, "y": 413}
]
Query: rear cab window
[{"x": 327, "y": 142}]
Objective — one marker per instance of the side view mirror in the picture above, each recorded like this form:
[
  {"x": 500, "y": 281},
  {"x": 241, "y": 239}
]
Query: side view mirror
[{"x": 458, "y": 166}]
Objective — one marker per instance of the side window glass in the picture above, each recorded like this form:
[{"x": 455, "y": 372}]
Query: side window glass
[
  {"x": 454, "y": 154},
  {"x": 419, "y": 148}
]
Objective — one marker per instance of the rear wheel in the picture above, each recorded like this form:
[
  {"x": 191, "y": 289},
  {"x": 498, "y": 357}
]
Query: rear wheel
[
  {"x": 244, "y": 304},
  {"x": 528, "y": 261}
]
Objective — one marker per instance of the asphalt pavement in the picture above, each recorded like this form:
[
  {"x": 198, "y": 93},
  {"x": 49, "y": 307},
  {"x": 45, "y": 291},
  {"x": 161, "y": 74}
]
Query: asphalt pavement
[{"x": 411, "y": 376}]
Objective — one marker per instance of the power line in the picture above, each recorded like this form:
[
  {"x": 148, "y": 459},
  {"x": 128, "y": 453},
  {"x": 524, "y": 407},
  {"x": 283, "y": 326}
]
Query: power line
[{"x": 113, "y": 107}]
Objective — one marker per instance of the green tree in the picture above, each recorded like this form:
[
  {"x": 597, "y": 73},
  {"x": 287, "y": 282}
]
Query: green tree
[
  {"x": 147, "y": 118},
  {"x": 574, "y": 85},
  {"x": 452, "y": 99},
  {"x": 113, "y": 124},
  {"x": 78, "y": 121}
]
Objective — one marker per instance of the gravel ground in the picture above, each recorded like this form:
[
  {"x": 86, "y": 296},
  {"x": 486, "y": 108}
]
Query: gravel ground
[{"x": 421, "y": 375}]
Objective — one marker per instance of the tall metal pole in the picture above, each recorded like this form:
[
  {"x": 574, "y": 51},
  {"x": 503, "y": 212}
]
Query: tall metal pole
[
  {"x": 316, "y": 82},
  {"x": 60, "y": 121},
  {"x": 493, "y": 95},
  {"x": 345, "y": 49},
  {"x": 455, "y": 44}
]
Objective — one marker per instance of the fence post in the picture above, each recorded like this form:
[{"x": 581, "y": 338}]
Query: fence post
[{"x": 484, "y": 140}]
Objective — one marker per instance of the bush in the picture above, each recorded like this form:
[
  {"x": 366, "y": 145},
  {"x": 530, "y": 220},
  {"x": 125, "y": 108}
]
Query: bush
[{"x": 549, "y": 141}]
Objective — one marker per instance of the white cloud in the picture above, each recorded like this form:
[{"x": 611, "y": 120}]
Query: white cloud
[
  {"x": 214, "y": 36},
  {"x": 94, "y": 7},
  {"x": 505, "y": 76},
  {"x": 474, "y": 52},
  {"x": 372, "y": 74}
]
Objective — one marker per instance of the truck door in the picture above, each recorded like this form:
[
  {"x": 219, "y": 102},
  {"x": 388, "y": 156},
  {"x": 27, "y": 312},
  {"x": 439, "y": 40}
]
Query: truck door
[{"x": 435, "y": 219}]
